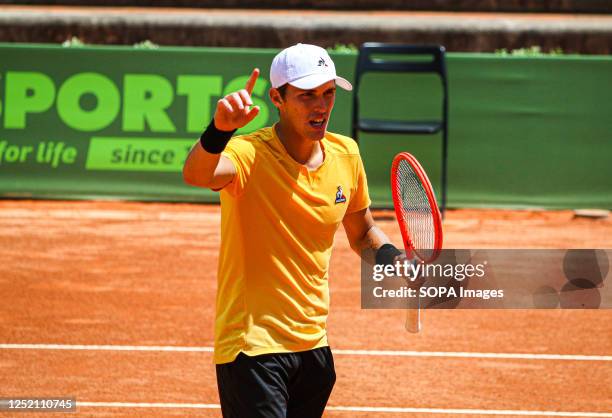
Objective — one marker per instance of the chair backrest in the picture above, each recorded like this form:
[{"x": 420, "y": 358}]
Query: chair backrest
[{"x": 367, "y": 62}]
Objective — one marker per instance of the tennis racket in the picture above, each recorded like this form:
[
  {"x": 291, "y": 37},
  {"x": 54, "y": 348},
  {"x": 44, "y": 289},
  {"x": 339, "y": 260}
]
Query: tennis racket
[{"x": 418, "y": 217}]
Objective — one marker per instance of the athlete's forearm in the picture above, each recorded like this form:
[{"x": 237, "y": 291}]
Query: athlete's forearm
[
  {"x": 370, "y": 243},
  {"x": 204, "y": 166},
  {"x": 200, "y": 166},
  {"x": 365, "y": 238},
  {"x": 375, "y": 238}
]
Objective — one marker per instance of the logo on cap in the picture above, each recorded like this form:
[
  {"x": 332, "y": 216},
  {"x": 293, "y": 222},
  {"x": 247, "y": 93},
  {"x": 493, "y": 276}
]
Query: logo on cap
[{"x": 322, "y": 62}]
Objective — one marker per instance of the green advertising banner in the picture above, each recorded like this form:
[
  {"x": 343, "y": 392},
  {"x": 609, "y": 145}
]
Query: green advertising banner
[
  {"x": 118, "y": 122},
  {"x": 113, "y": 122}
]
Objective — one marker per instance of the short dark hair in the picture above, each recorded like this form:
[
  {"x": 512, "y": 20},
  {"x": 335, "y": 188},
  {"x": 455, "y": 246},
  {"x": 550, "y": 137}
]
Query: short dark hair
[{"x": 282, "y": 90}]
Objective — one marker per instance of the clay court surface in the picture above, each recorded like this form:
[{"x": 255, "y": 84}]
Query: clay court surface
[{"x": 141, "y": 276}]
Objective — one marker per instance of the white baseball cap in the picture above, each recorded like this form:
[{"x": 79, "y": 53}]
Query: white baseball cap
[{"x": 305, "y": 67}]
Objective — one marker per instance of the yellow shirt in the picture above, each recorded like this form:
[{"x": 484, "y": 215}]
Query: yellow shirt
[{"x": 278, "y": 222}]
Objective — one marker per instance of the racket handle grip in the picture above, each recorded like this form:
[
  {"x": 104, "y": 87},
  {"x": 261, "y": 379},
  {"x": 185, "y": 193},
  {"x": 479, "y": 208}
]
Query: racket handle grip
[{"x": 413, "y": 318}]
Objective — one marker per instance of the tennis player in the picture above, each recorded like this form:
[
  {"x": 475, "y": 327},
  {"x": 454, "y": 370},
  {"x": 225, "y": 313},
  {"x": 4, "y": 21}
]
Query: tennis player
[{"x": 284, "y": 191}]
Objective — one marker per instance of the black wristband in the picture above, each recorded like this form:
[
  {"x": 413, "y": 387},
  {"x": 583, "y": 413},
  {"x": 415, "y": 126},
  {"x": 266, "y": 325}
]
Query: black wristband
[
  {"x": 386, "y": 254},
  {"x": 213, "y": 140}
]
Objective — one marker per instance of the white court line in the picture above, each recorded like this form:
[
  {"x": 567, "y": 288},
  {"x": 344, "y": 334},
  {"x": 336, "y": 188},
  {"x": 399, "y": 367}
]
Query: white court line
[
  {"x": 468, "y": 411},
  {"x": 107, "y": 347},
  {"x": 374, "y": 353},
  {"x": 459, "y": 354},
  {"x": 359, "y": 409}
]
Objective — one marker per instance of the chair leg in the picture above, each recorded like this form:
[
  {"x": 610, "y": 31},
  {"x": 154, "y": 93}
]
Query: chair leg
[{"x": 444, "y": 169}]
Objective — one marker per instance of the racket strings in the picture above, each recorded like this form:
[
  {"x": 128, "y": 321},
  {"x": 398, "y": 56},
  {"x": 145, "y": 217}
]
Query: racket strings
[{"x": 416, "y": 210}]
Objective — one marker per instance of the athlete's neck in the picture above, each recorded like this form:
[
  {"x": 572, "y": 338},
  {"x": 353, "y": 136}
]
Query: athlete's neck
[{"x": 305, "y": 151}]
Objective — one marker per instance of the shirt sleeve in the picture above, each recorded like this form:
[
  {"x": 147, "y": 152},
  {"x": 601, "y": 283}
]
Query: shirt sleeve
[
  {"x": 360, "y": 198},
  {"x": 241, "y": 152}
]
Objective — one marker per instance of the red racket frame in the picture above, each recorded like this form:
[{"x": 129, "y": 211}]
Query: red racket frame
[{"x": 437, "y": 217}]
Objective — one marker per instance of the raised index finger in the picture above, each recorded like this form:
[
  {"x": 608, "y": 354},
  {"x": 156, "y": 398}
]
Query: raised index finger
[{"x": 252, "y": 79}]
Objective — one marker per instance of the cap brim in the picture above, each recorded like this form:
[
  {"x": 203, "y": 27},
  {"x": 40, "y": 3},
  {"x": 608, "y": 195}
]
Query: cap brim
[{"x": 315, "y": 80}]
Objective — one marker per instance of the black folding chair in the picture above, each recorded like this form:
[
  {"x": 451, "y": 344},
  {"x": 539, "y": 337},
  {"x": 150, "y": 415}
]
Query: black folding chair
[{"x": 367, "y": 63}]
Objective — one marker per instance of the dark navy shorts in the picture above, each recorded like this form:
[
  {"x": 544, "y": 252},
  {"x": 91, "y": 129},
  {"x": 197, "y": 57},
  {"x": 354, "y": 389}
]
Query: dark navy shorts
[{"x": 284, "y": 385}]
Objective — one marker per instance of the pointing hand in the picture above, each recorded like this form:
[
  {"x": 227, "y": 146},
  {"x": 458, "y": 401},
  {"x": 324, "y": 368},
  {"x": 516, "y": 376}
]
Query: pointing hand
[{"x": 236, "y": 109}]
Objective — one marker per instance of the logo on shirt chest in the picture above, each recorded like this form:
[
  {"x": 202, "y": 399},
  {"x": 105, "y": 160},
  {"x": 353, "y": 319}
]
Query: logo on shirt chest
[{"x": 340, "y": 198}]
